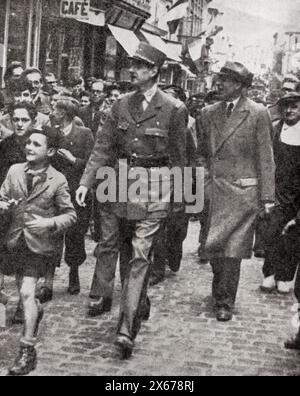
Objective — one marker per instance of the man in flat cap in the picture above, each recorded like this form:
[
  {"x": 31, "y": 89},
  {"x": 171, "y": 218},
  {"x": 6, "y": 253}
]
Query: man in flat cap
[
  {"x": 147, "y": 128},
  {"x": 235, "y": 147}
]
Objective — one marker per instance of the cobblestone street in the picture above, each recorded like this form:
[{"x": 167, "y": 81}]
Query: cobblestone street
[{"x": 181, "y": 338}]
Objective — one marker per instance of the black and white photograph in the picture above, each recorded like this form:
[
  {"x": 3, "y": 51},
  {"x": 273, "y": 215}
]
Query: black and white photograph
[{"x": 150, "y": 191}]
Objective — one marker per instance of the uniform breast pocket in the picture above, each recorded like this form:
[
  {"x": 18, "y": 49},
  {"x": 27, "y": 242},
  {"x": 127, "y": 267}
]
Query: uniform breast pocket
[{"x": 158, "y": 138}]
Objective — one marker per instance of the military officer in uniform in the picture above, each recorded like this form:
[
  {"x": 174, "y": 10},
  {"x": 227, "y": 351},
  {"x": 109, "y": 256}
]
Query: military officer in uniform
[
  {"x": 235, "y": 147},
  {"x": 148, "y": 129}
]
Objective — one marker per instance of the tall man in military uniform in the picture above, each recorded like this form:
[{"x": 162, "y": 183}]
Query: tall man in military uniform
[
  {"x": 235, "y": 147},
  {"x": 148, "y": 129}
]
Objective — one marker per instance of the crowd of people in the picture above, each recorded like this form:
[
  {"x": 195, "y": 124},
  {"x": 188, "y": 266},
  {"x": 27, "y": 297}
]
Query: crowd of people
[{"x": 55, "y": 138}]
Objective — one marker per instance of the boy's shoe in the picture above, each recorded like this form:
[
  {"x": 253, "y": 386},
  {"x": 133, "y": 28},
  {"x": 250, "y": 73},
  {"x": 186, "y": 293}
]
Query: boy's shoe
[
  {"x": 25, "y": 362},
  {"x": 284, "y": 288},
  {"x": 3, "y": 299},
  {"x": 269, "y": 284}
]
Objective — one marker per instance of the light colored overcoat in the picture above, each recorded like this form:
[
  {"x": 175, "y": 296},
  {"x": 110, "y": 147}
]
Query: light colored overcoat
[{"x": 237, "y": 153}]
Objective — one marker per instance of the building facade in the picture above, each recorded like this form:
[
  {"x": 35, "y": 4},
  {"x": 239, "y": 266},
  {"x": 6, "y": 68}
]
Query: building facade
[{"x": 36, "y": 33}]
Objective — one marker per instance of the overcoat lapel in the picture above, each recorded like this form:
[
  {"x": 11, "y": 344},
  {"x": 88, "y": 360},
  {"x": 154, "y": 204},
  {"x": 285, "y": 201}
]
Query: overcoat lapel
[
  {"x": 219, "y": 121},
  {"x": 238, "y": 117}
]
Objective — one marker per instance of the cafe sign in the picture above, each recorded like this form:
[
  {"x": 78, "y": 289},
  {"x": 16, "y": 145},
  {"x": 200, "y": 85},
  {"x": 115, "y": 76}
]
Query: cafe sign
[{"x": 75, "y": 9}]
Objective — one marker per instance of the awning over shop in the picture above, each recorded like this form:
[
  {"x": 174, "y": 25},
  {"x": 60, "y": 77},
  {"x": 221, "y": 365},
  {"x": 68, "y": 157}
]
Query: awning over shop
[
  {"x": 187, "y": 71},
  {"x": 155, "y": 41},
  {"x": 126, "y": 38},
  {"x": 172, "y": 52}
]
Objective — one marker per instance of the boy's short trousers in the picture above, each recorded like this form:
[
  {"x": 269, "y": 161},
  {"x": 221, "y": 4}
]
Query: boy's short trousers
[{"x": 23, "y": 262}]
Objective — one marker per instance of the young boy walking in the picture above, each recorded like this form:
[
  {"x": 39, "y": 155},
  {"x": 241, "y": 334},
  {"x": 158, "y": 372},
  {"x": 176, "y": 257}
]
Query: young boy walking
[{"x": 38, "y": 199}]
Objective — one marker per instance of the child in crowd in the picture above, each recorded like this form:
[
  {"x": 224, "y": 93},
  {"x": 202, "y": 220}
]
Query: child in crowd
[{"x": 37, "y": 199}]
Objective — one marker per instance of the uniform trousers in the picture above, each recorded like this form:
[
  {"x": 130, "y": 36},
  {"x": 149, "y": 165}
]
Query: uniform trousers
[
  {"x": 116, "y": 237},
  {"x": 135, "y": 267},
  {"x": 226, "y": 281},
  {"x": 169, "y": 247}
]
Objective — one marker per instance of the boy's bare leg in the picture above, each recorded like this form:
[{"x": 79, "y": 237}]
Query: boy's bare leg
[
  {"x": 27, "y": 359},
  {"x": 31, "y": 310}
]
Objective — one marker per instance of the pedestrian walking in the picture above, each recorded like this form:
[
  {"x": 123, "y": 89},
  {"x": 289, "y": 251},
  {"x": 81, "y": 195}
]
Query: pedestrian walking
[
  {"x": 37, "y": 196},
  {"x": 148, "y": 129},
  {"x": 235, "y": 147}
]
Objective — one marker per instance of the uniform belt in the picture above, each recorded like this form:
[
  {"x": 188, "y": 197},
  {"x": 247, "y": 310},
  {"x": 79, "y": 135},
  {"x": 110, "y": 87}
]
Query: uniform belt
[{"x": 141, "y": 162}]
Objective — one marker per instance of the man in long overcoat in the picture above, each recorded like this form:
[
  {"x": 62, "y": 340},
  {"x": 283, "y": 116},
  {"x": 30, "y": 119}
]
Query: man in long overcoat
[
  {"x": 235, "y": 147},
  {"x": 148, "y": 129}
]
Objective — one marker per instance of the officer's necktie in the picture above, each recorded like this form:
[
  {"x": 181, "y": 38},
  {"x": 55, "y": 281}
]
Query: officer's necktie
[{"x": 229, "y": 110}]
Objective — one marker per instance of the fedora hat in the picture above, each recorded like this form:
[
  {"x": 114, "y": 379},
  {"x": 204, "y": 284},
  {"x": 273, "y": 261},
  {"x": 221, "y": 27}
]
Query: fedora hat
[{"x": 237, "y": 72}]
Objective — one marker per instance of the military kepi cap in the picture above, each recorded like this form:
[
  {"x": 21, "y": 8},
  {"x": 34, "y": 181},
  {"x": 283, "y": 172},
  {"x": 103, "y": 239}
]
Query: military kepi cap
[
  {"x": 238, "y": 72},
  {"x": 151, "y": 55}
]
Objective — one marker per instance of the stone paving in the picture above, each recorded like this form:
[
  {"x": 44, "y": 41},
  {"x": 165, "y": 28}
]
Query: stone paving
[{"x": 181, "y": 338}]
